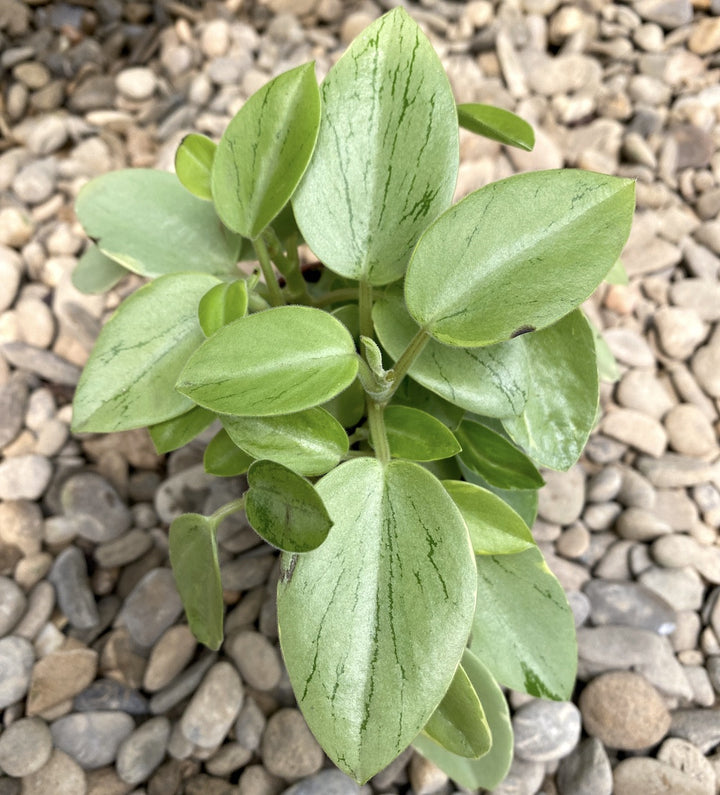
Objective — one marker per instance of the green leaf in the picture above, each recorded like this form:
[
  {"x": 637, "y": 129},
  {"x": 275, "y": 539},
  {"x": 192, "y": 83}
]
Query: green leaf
[
  {"x": 607, "y": 366},
  {"x": 178, "y": 431},
  {"x": 348, "y": 407},
  {"x": 418, "y": 436},
  {"x": 411, "y": 394},
  {"x": 491, "y": 769},
  {"x": 284, "y": 509},
  {"x": 373, "y": 623},
  {"x": 523, "y": 502},
  {"x": 617, "y": 274},
  {"x": 95, "y": 272},
  {"x": 497, "y": 124},
  {"x": 222, "y": 304},
  {"x": 194, "y": 561},
  {"x": 265, "y": 149},
  {"x": 386, "y": 159},
  {"x": 495, "y": 459},
  {"x": 224, "y": 458},
  {"x": 524, "y": 629},
  {"x": 311, "y": 442},
  {"x": 492, "y": 381},
  {"x": 193, "y": 164},
  {"x": 275, "y": 362},
  {"x": 494, "y": 527},
  {"x": 517, "y": 255},
  {"x": 560, "y": 412},
  {"x": 130, "y": 376},
  {"x": 459, "y": 724},
  {"x": 151, "y": 225}
]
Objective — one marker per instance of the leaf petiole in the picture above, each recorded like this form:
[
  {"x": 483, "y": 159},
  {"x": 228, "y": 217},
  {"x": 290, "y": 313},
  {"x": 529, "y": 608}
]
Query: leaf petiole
[
  {"x": 226, "y": 510},
  {"x": 276, "y": 296}
]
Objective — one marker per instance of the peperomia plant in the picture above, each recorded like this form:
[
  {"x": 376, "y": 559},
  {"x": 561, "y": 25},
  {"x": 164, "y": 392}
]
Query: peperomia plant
[{"x": 390, "y": 404}]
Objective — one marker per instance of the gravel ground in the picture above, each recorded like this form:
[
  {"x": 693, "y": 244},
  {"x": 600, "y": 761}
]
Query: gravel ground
[{"x": 102, "y": 688}]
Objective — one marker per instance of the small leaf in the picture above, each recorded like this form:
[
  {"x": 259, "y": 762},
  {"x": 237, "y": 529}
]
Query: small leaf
[
  {"x": 617, "y": 274},
  {"x": 607, "y": 365},
  {"x": 146, "y": 221},
  {"x": 284, "y": 508},
  {"x": 523, "y": 501},
  {"x": 386, "y": 159},
  {"x": 488, "y": 771},
  {"x": 494, "y": 527},
  {"x": 193, "y": 164},
  {"x": 524, "y": 629},
  {"x": 373, "y": 623},
  {"x": 411, "y": 394},
  {"x": 130, "y": 376},
  {"x": 459, "y": 724},
  {"x": 560, "y": 412},
  {"x": 274, "y": 362},
  {"x": 418, "y": 436},
  {"x": 497, "y": 124},
  {"x": 178, "y": 431},
  {"x": 224, "y": 458},
  {"x": 348, "y": 407},
  {"x": 265, "y": 149},
  {"x": 310, "y": 442},
  {"x": 495, "y": 459},
  {"x": 194, "y": 561},
  {"x": 492, "y": 381},
  {"x": 95, "y": 272},
  {"x": 222, "y": 304},
  {"x": 517, "y": 255}
]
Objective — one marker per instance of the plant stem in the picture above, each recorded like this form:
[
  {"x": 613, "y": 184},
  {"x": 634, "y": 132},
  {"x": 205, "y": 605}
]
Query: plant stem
[
  {"x": 276, "y": 297},
  {"x": 365, "y": 300},
  {"x": 289, "y": 266},
  {"x": 335, "y": 296},
  {"x": 378, "y": 434},
  {"x": 225, "y": 510},
  {"x": 404, "y": 363}
]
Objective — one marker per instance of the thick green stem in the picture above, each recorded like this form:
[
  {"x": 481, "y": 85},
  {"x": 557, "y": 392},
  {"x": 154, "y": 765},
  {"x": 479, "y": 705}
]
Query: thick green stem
[
  {"x": 404, "y": 363},
  {"x": 365, "y": 306},
  {"x": 336, "y": 296},
  {"x": 276, "y": 296},
  {"x": 225, "y": 510},
  {"x": 378, "y": 434}
]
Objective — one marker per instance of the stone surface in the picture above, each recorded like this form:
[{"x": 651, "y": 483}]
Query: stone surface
[
  {"x": 561, "y": 500},
  {"x": 684, "y": 756},
  {"x": 212, "y": 710},
  {"x": 256, "y": 658},
  {"x": 16, "y": 662},
  {"x": 12, "y": 604},
  {"x": 141, "y": 753},
  {"x": 546, "y": 730},
  {"x": 92, "y": 739},
  {"x": 75, "y": 598},
  {"x": 25, "y": 747},
  {"x": 61, "y": 775},
  {"x": 288, "y": 748},
  {"x": 629, "y": 604},
  {"x": 97, "y": 507},
  {"x": 152, "y": 606},
  {"x": 172, "y": 652},
  {"x": 586, "y": 771},
  {"x": 651, "y": 777},
  {"x": 24, "y": 477},
  {"x": 60, "y": 676}
]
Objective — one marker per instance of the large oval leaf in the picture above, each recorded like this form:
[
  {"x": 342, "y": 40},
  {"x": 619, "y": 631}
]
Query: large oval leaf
[
  {"x": 494, "y": 527},
  {"x": 495, "y": 459},
  {"x": 373, "y": 623},
  {"x": 497, "y": 124},
  {"x": 95, "y": 272},
  {"x": 523, "y": 628},
  {"x": 518, "y": 254},
  {"x": 224, "y": 458},
  {"x": 265, "y": 150},
  {"x": 311, "y": 442},
  {"x": 523, "y": 502},
  {"x": 459, "y": 724},
  {"x": 492, "y": 381},
  {"x": 129, "y": 379},
  {"x": 194, "y": 561},
  {"x": 563, "y": 396},
  {"x": 386, "y": 159},
  {"x": 151, "y": 225},
  {"x": 274, "y": 362},
  {"x": 178, "y": 431},
  {"x": 491, "y": 769},
  {"x": 284, "y": 508},
  {"x": 418, "y": 436}
]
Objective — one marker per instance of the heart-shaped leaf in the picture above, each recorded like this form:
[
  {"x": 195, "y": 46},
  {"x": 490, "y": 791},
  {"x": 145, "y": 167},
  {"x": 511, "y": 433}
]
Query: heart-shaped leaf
[
  {"x": 284, "y": 508},
  {"x": 418, "y": 436},
  {"x": 95, "y": 272},
  {"x": 517, "y": 255},
  {"x": 490, "y": 381},
  {"x": 488, "y": 771},
  {"x": 563, "y": 397},
  {"x": 193, "y": 164},
  {"x": 265, "y": 149},
  {"x": 130, "y": 376},
  {"x": 194, "y": 561},
  {"x": 373, "y": 623},
  {"x": 274, "y": 362},
  {"x": 459, "y": 724},
  {"x": 146, "y": 221},
  {"x": 524, "y": 630},
  {"x": 386, "y": 158},
  {"x": 497, "y": 124},
  {"x": 496, "y": 459},
  {"x": 222, "y": 304},
  {"x": 224, "y": 458},
  {"x": 178, "y": 431},
  {"x": 310, "y": 442}
]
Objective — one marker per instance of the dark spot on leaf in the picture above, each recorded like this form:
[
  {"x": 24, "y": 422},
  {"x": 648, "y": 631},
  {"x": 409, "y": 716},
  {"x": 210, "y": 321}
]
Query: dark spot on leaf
[{"x": 522, "y": 330}]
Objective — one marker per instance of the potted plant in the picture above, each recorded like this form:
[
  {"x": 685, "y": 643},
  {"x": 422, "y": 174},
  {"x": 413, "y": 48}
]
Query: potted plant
[{"x": 391, "y": 415}]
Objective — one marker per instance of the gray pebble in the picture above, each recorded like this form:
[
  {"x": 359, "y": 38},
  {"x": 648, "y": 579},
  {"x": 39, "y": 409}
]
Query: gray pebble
[
  {"x": 40, "y": 605},
  {"x": 256, "y": 658},
  {"x": 109, "y": 694},
  {"x": 523, "y": 778},
  {"x": 637, "y": 524},
  {"x": 629, "y": 347},
  {"x": 546, "y": 730},
  {"x": 250, "y": 723},
  {"x": 328, "y": 782},
  {"x": 13, "y": 400},
  {"x": 642, "y": 391},
  {"x": 690, "y": 431},
  {"x": 586, "y": 771},
  {"x": 230, "y": 757},
  {"x": 24, "y": 477},
  {"x": 128, "y": 547},
  {"x": 74, "y": 595},
  {"x": 35, "y": 182},
  {"x": 46, "y": 364},
  {"x": 647, "y": 775},
  {"x": 25, "y": 746},
  {"x": 151, "y": 607},
  {"x": 605, "y": 485},
  {"x": 214, "y": 707},
  {"x": 246, "y": 572},
  {"x": 636, "y": 430},
  {"x": 90, "y": 498},
  {"x": 676, "y": 471},
  {"x": 60, "y": 776},
  {"x": 628, "y": 603},
  {"x": 141, "y": 753},
  {"x": 636, "y": 491},
  {"x": 701, "y": 295},
  {"x": 700, "y": 684},
  {"x": 288, "y": 748},
  {"x": 562, "y": 499},
  {"x": 682, "y": 588},
  {"x": 182, "y": 686},
  {"x": 46, "y": 134},
  {"x": 699, "y": 726},
  {"x": 92, "y": 739},
  {"x": 16, "y": 662},
  {"x": 684, "y": 756},
  {"x": 169, "y": 656},
  {"x": 12, "y": 604},
  {"x": 680, "y": 331}
]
